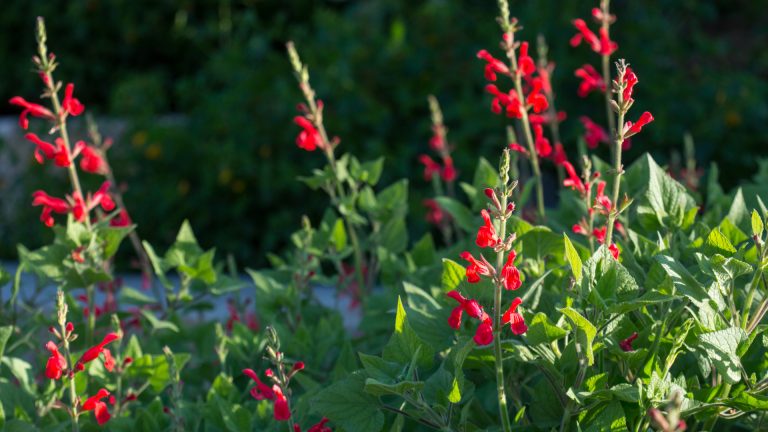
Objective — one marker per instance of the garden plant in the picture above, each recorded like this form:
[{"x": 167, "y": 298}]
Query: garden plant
[{"x": 636, "y": 303}]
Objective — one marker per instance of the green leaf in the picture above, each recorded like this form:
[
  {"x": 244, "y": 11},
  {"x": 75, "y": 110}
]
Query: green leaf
[
  {"x": 380, "y": 369},
  {"x": 717, "y": 243},
  {"x": 749, "y": 402},
  {"x": 720, "y": 348},
  {"x": 404, "y": 344},
  {"x": 542, "y": 330},
  {"x": 486, "y": 175},
  {"x": 651, "y": 297},
  {"x": 738, "y": 213},
  {"x": 423, "y": 251},
  {"x": 453, "y": 275},
  {"x": 606, "y": 281},
  {"x": 378, "y": 388},
  {"x": 541, "y": 243},
  {"x": 347, "y": 405},
  {"x": 573, "y": 258},
  {"x": 684, "y": 283},
  {"x": 610, "y": 419},
  {"x": 339, "y": 235},
  {"x": 394, "y": 236},
  {"x": 585, "y": 332},
  {"x": 442, "y": 388},
  {"x": 370, "y": 172},
  {"x": 460, "y": 213},
  {"x": 5, "y": 334},
  {"x": 134, "y": 296},
  {"x": 757, "y": 224},
  {"x": 112, "y": 238},
  {"x": 158, "y": 324},
  {"x": 664, "y": 203}
]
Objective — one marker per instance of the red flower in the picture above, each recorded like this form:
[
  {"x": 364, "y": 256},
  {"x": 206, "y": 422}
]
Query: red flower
[
  {"x": 436, "y": 142},
  {"x": 594, "y": 134},
  {"x": 602, "y": 46},
  {"x": 630, "y": 79},
  {"x": 57, "y": 153},
  {"x": 599, "y": 234},
  {"x": 30, "y": 109},
  {"x": 510, "y": 275},
  {"x": 309, "y": 138},
  {"x": 515, "y": 320},
  {"x": 631, "y": 129},
  {"x": 486, "y": 235},
  {"x": 261, "y": 391},
  {"x": 103, "y": 198},
  {"x": 535, "y": 98},
  {"x": 579, "y": 229},
  {"x": 614, "y": 251},
  {"x": 525, "y": 64},
  {"x": 601, "y": 199},
  {"x": 122, "y": 219},
  {"x": 99, "y": 408},
  {"x": 492, "y": 65},
  {"x": 558, "y": 155},
  {"x": 470, "y": 306},
  {"x": 543, "y": 148},
  {"x": 590, "y": 80},
  {"x": 70, "y": 104},
  {"x": 109, "y": 361},
  {"x": 476, "y": 268},
  {"x": 91, "y": 160},
  {"x": 281, "y": 409},
  {"x": 510, "y": 101},
  {"x": 626, "y": 344},
  {"x": 573, "y": 181},
  {"x": 448, "y": 173},
  {"x": 484, "y": 333},
  {"x": 320, "y": 426},
  {"x": 50, "y": 205},
  {"x": 430, "y": 167},
  {"x": 518, "y": 148},
  {"x": 56, "y": 362},
  {"x": 92, "y": 353},
  {"x": 435, "y": 214}
]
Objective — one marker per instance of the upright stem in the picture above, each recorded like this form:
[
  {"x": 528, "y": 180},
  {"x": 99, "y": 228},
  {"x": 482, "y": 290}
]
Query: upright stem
[
  {"x": 606, "y": 63},
  {"x": 618, "y": 138},
  {"x": 518, "y": 78},
  {"x": 506, "y": 425},
  {"x": 91, "y": 315}
]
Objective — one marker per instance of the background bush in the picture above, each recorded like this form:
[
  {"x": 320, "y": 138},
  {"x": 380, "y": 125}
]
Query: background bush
[{"x": 209, "y": 93}]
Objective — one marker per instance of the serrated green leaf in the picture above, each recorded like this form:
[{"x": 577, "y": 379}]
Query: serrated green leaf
[
  {"x": 347, "y": 405},
  {"x": 720, "y": 348},
  {"x": 453, "y": 274},
  {"x": 585, "y": 332},
  {"x": 378, "y": 388},
  {"x": 718, "y": 243},
  {"x": 404, "y": 344},
  {"x": 573, "y": 258},
  {"x": 542, "y": 330}
]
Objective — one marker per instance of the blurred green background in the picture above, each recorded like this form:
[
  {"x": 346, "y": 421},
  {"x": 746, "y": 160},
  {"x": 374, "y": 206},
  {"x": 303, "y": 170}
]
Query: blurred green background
[{"x": 209, "y": 95}]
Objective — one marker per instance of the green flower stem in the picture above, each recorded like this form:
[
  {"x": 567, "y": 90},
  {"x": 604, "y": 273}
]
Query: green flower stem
[
  {"x": 506, "y": 425},
  {"x": 606, "y": 63},
  {"x": 618, "y": 170}
]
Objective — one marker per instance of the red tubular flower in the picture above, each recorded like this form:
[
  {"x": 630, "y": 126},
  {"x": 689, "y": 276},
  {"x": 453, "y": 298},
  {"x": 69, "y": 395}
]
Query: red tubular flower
[
  {"x": 56, "y": 362},
  {"x": 430, "y": 167},
  {"x": 525, "y": 64},
  {"x": 492, "y": 65},
  {"x": 122, "y": 219},
  {"x": 99, "y": 408},
  {"x": 91, "y": 160},
  {"x": 470, "y": 306},
  {"x": 103, "y": 198},
  {"x": 590, "y": 80},
  {"x": 543, "y": 147},
  {"x": 448, "y": 173},
  {"x": 282, "y": 411},
  {"x": 535, "y": 98},
  {"x": 630, "y": 80},
  {"x": 633, "y": 128},
  {"x": 510, "y": 275},
  {"x": 50, "y": 205},
  {"x": 515, "y": 320},
  {"x": 594, "y": 134},
  {"x": 261, "y": 391},
  {"x": 436, "y": 142},
  {"x": 486, "y": 234},
  {"x": 309, "y": 138},
  {"x": 320, "y": 426},
  {"x": 484, "y": 333},
  {"x": 109, "y": 361},
  {"x": 476, "y": 268},
  {"x": 70, "y": 104},
  {"x": 518, "y": 148},
  {"x": 614, "y": 251},
  {"x": 602, "y": 45},
  {"x": 92, "y": 353},
  {"x": 626, "y": 344},
  {"x": 435, "y": 213},
  {"x": 579, "y": 229},
  {"x": 573, "y": 181},
  {"x": 32, "y": 109},
  {"x": 558, "y": 155},
  {"x": 599, "y": 234},
  {"x": 509, "y": 101},
  {"x": 601, "y": 199}
]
